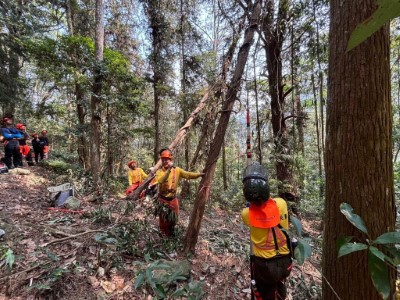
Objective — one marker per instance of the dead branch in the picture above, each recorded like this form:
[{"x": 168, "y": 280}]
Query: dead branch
[
  {"x": 179, "y": 137},
  {"x": 71, "y": 237},
  {"x": 24, "y": 271}
]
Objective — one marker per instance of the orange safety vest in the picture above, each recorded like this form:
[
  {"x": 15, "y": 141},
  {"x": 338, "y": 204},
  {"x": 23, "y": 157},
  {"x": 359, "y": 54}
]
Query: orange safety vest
[{"x": 267, "y": 216}]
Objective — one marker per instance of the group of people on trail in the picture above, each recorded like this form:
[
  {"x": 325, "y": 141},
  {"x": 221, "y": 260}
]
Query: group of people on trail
[
  {"x": 16, "y": 144},
  {"x": 267, "y": 218}
]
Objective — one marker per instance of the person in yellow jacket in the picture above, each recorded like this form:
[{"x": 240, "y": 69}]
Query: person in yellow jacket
[
  {"x": 136, "y": 176},
  {"x": 271, "y": 261},
  {"x": 167, "y": 178}
]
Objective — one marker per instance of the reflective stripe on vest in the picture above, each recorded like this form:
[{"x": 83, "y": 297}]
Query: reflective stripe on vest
[{"x": 270, "y": 242}]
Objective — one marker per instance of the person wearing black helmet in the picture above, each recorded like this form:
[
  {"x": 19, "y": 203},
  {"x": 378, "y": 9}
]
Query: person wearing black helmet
[{"x": 271, "y": 260}]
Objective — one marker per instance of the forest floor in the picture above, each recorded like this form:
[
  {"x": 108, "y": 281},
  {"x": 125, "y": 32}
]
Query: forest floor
[{"x": 101, "y": 253}]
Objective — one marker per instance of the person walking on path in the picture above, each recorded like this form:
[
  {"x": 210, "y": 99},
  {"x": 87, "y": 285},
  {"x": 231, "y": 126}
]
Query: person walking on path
[
  {"x": 167, "y": 178},
  {"x": 12, "y": 155},
  {"x": 271, "y": 261},
  {"x": 136, "y": 176},
  {"x": 37, "y": 147}
]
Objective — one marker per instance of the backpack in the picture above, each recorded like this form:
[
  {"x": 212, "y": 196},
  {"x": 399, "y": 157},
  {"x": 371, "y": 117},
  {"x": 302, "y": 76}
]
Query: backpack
[{"x": 290, "y": 244}]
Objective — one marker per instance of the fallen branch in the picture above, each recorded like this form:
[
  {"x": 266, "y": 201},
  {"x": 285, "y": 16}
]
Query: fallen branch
[
  {"x": 179, "y": 137},
  {"x": 71, "y": 237},
  {"x": 25, "y": 271}
]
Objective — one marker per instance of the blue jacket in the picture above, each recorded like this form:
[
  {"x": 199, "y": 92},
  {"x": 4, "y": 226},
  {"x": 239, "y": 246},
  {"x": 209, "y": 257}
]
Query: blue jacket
[{"x": 11, "y": 133}]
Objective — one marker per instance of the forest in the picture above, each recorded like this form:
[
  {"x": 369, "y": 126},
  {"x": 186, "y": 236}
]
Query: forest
[{"x": 308, "y": 90}]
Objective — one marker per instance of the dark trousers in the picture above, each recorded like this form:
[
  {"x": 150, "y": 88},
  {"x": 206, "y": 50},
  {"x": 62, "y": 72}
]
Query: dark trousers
[
  {"x": 12, "y": 155},
  {"x": 270, "y": 275},
  {"x": 38, "y": 152}
]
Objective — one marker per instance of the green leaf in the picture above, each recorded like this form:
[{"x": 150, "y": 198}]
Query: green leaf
[
  {"x": 302, "y": 251},
  {"x": 139, "y": 281},
  {"x": 388, "y": 238},
  {"x": 150, "y": 278},
  {"x": 350, "y": 248},
  {"x": 52, "y": 256},
  {"x": 9, "y": 258},
  {"x": 178, "y": 293},
  {"x": 378, "y": 253},
  {"x": 379, "y": 275},
  {"x": 297, "y": 225},
  {"x": 395, "y": 253},
  {"x": 160, "y": 290},
  {"x": 353, "y": 218},
  {"x": 342, "y": 240},
  {"x": 99, "y": 237},
  {"x": 147, "y": 257},
  {"x": 387, "y": 10}
]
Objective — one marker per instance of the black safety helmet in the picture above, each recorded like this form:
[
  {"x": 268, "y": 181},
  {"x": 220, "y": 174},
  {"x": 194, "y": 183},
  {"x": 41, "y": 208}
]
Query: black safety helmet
[{"x": 255, "y": 183}]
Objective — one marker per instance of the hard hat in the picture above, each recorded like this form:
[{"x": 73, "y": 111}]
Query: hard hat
[
  {"x": 166, "y": 153},
  {"x": 6, "y": 118},
  {"x": 255, "y": 183},
  {"x": 131, "y": 163},
  {"x": 44, "y": 131},
  {"x": 19, "y": 126},
  {"x": 34, "y": 134}
]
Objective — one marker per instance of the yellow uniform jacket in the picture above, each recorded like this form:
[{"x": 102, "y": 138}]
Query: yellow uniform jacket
[
  {"x": 168, "y": 180},
  {"x": 136, "y": 176},
  {"x": 261, "y": 237}
]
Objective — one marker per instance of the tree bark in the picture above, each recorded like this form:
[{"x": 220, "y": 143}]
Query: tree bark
[
  {"x": 224, "y": 177},
  {"x": 206, "y": 181},
  {"x": 274, "y": 35},
  {"x": 83, "y": 148},
  {"x": 158, "y": 26},
  {"x": 358, "y": 162},
  {"x": 96, "y": 96},
  {"x": 314, "y": 88}
]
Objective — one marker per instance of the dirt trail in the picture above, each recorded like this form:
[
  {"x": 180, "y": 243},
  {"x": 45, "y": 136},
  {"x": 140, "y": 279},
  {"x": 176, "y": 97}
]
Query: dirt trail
[{"x": 81, "y": 268}]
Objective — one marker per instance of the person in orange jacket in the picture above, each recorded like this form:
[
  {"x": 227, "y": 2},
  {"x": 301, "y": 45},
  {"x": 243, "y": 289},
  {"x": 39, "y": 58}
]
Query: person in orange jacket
[
  {"x": 271, "y": 261},
  {"x": 23, "y": 147},
  {"x": 168, "y": 178},
  {"x": 136, "y": 176}
]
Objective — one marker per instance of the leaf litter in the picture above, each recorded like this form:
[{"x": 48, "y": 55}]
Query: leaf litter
[{"x": 69, "y": 269}]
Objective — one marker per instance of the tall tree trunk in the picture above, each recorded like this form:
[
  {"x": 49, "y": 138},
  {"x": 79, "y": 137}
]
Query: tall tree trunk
[
  {"x": 205, "y": 183},
  {"x": 273, "y": 40},
  {"x": 358, "y": 162},
  {"x": 320, "y": 79},
  {"x": 96, "y": 96},
  {"x": 83, "y": 147},
  {"x": 224, "y": 177},
  {"x": 158, "y": 26},
  {"x": 110, "y": 146},
  {"x": 258, "y": 122},
  {"x": 314, "y": 88},
  {"x": 185, "y": 191}
]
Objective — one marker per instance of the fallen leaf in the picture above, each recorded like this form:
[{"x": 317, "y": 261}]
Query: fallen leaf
[
  {"x": 93, "y": 281},
  {"x": 108, "y": 286},
  {"x": 69, "y": 260},
  {"x": 118, "y": 281}
]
